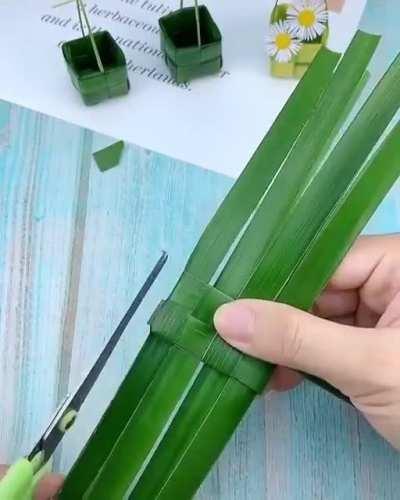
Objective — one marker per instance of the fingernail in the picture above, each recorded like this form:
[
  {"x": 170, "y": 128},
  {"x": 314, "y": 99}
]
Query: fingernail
[{"x": 235, "y": 322}]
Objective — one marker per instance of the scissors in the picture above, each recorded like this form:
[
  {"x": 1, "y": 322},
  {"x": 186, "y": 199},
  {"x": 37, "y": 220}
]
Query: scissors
[{"x": 22, "y": 478}]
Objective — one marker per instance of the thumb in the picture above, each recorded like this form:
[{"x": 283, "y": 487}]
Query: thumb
[{"x": 289, "y": 337}]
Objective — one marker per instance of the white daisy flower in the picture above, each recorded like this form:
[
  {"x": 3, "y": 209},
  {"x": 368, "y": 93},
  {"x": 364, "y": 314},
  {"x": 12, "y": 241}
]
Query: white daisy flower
[
  {"x": 282, "y": 44},
  {"x": 307, "y": 18}
]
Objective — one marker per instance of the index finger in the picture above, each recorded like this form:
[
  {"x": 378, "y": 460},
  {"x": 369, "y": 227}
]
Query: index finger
[
  {"x": 49, "y": 486},
  {"x": 362, "y": 260}
]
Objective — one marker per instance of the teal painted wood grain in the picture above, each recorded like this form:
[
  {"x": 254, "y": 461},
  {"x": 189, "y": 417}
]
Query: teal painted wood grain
[
  {"x": 75, "y": 245},
  {"x": 37, "y": 199}
]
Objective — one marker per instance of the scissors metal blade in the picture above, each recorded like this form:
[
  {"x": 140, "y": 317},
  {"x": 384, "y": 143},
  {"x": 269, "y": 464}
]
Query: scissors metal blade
[{"x": 72, "y": 404}]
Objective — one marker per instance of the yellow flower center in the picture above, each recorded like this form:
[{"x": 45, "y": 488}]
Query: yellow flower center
[
  {"x": 307, "y": 18},
  {"x": 283, "y": 41}
]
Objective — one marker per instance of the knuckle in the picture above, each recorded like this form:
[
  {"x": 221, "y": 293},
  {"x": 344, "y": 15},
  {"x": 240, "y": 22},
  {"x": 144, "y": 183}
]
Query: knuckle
[
  {"x": 388, "y": 379},
  {"x": 389, "y": 376},
  {"x": 392, "y": 284},
  {"x": 292, "y": 341},
  {"x": 386, "y": 373}
]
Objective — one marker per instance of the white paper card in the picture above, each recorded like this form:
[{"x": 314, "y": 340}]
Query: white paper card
[{"x": 214, "y": 122}]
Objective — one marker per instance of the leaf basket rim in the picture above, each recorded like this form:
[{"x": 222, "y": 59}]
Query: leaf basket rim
[
  {"x": 93, "y": 73},
  {"x": 217, "y": 35}
]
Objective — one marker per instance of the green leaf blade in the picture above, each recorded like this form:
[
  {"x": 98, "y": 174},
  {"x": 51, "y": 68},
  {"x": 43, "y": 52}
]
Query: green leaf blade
[
  {"x": 244, "y": 196},
  {"x": 301, "y": 163},
  {"x": 316, "y": 201},
  {"x": 195, "y": 438},
  {"x": 146, "y": 424},
  {"x": 109, "y": 429},
  {"x": 344, "y": 224}
]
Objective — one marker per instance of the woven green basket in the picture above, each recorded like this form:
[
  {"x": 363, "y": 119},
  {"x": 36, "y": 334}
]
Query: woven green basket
[
  {"x": 298, "y": 65},
  {"x": 191, "y": 42},
  {"x": 94, "y": 85}
]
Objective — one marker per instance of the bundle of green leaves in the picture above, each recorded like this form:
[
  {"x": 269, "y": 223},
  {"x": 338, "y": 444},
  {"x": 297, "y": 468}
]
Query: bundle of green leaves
[{"x": 279, "y": 234}]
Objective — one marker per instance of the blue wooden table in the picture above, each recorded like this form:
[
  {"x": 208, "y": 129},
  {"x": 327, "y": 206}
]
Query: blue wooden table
[{"x": 75, "y": 245}]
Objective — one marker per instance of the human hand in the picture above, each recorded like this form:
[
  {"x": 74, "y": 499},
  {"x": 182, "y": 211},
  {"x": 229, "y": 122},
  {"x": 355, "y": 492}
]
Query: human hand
[
  {"x": 352, "y": 339},
  {"x": 48, "y": 487}
]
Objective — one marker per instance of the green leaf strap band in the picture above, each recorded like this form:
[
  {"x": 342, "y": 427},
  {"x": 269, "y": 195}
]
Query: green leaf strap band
[{"x": 175, "y": 325}]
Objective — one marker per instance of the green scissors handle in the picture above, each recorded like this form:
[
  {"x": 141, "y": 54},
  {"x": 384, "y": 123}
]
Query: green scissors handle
[{"x": 21, "y": 479}]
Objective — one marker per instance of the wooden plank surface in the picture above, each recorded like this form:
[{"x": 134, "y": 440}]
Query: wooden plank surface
[{"x": 75, "y": 245}]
